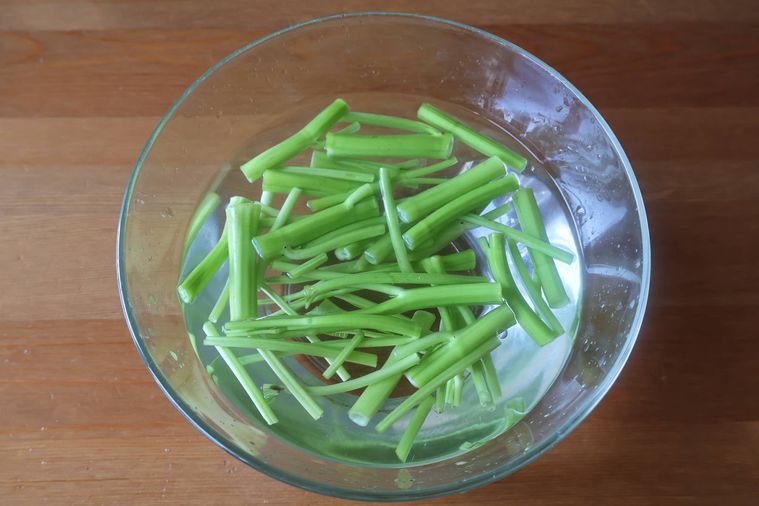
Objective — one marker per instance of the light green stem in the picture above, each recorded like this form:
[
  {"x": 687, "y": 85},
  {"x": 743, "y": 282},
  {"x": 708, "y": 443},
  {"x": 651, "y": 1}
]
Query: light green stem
[
  {"x": 471, "y": 138},
  {"x": 206, "y": 207},
  {"x": 287, "y": 208},
  {"x": 189, "y": 289},
  {"x": 309, "y": 265},
  {"x": 431, "y": 225},
  {"x": 344, "y": 352},
  {"x": 533, "y": 290},
  {"x": 243, "y": 377},
  {"x": 281, "y": 182},
  {"x": 532, "y": 223},
  {"x": 242, "y": 222},
  {"x": 393, "y": 227},
  {"x": 220, "y": 304},
  {"x": 280, "y": 153},
  {"x": 386, "y": 371},
  {"x": 422, "y": 204},
  {"x": 382, "y": 120},
  {"x": 312, "y": 338},
  {"x": 293, "y": 347},
  {"x": 412, "y": 429},
  {"x": 466, "y": 339},
  {"x": 531, "y": 241},
  {"x": 389, "y": 146},
  {"x": 337, "y": 242},
  {"x": 344, "y": 175},
  {"x": 346, "y": 321},
  {"x": 525, "y": 316},
  {"x": 273, "y": 243},
  {"x": 428, "y": 388},
  {"x": 430, "y": 169}
]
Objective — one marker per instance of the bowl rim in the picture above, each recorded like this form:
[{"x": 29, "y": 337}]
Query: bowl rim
[{"x": 402, "y": 495}]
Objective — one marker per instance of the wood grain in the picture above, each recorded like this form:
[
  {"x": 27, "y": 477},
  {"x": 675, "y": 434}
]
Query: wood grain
[{"x": 82, "y": 83}]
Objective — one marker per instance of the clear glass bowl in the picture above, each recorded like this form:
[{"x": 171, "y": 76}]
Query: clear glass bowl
[{"x": 249, "y": 94}]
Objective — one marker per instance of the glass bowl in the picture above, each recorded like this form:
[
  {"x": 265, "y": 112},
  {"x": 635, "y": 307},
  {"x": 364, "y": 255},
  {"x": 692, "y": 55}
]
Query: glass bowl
[{"x": 231, "y": 112}]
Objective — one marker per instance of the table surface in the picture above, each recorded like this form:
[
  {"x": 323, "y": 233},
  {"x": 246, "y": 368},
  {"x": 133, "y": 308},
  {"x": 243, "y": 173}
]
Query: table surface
[{"x": 82, "y": 83}]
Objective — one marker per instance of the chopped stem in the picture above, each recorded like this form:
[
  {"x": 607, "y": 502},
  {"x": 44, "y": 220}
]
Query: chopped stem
[
  {"x": 437, "y": 296},
  {"x": 440, "y": 399},
  {"x": 426, "y": 229},
  {"x": 466, "y": 339},
  {"x": 471, "y": 138},
  {"x": 292, "y": 384},
  {"x": 344, "y": 175},
  {"x": 374, "y": 342},
  {"x": 427, "y": 342},
  {"x": 375, "y": 395},
  {"x": 388, "y": 370},
  {"x": 280, "y": 153},
  {"x": 309, "y": 265},
  {"x": 491, "y": 376},
  {"x": 312, "y": 338},
  {"x": 266, "y": 198},
  {"x": 206, "y": 207},
  {"x": 278, "y": 181},
  {"x": 344, "y": 352},
  {"x": 422, "y": 204},
  {"x": 430, "y": 169},
  {"x": 360, "y": 194},
  {"x": 341, "y": 231},
  {"x": 533, "y": 242},
  {"x": 457, "y": 389},
  {"x": 481, "y": 385},
  {"x": 427, "y": 389},
  {"x": 390, "y": 122},
  {"x": 460, "y": 261},
  {"x": 412, "y": 429},
  {"x": 242, "y": 222},
  {"x": 220, "y": 305},
  {"x": 394, "y": 229},
  {"x": 336, "y": 242},
  {"x": 345, "y": 321},
  {"x": 201, "y": 275},
  {"x": 326, "y": 201},
  {"x": 243, "y": 377},
  {"x": 351, "y": 251},
  {"x": 364, "y": 278},
  {"x": 320, "y": 159},
  {"x": 525, "y": 316},
  {"x": 389, "y": 146},
  {"x": 294, "y": 347},
  {"x": 533, "y": 290},
  {"x": 287, "y": 208},
  {"x": 271, "y": 244},
  {"x": 532, "y": 223}
]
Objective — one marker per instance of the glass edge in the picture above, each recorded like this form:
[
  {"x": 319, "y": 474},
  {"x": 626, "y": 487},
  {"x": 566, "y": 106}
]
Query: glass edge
[{"x": 237, "y": 452}]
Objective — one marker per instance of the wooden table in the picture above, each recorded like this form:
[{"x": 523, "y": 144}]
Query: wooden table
[{"x": 82, "y": 83}]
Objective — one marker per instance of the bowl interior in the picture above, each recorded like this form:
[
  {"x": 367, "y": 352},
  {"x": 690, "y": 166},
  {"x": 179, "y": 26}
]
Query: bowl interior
[{"x": 245, "y": 103}]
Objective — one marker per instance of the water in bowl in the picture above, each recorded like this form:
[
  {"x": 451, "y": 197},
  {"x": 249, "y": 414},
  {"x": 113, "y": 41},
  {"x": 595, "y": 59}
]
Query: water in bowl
[{"x": 525, "y": 370}]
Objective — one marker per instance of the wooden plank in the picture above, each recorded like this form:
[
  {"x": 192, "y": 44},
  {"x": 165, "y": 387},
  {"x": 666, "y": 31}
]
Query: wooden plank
[
  {"x": 109, "y": 15},
  {"x": 127, "y": 72}
]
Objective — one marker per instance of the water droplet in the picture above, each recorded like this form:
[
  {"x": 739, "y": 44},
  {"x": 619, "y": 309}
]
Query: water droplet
[
  {"x": 176, "y": 358},
  {"x": 559, "y": 108},
  {"x": 27, "y": 351},
  {"x": 151, "y": 300},
  {"x": 167, "y": 212}
]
